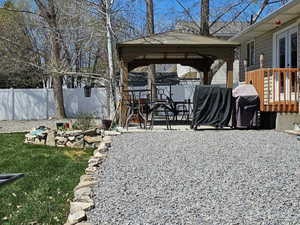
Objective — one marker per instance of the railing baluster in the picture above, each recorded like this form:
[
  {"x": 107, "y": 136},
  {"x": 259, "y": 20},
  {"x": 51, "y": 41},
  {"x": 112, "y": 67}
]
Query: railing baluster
[
  {"x": 262, "y": 87},
  {"x": 290, "y": 88},
  {"x": 268, "y": 89},
  {"x": 296, "y": 91},
  {"x": 274, "y": 88},
  {"x": 284, "y": 89},
  {"x": 279, "y": 86}
]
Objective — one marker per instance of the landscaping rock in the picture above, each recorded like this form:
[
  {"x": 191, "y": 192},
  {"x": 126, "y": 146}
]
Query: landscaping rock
[
  {"x": 92, "y": 132},
  {"x": 85, "y": 178},
  {"x": 90, "y": 170},
  {"x": 111, "y": 133},
  {"x": 84, "y": 185},
  {"x": 78, "y": 144},
  {"x": 83, "y": 223},
  {"x": 51, "y": 138},
  {"x": 71, "y": 138},
  {"x": 29, "y": 136},
  {"x": 76, "y": 206},
  {"x": 95, "y": 164},
  {"x": 70, "y": 144},
  {"x": 39, "y": 141},
  {"x": 83, "y": 194},
  {"x": 76, "y": 217},
  {"x": 61, "y": 139},
  {"x": 91, "y": 140},
  {"x": 60, "y": 146},
  {"x": 72, "y": 133},
  {"x": 94, "y": 160},
  {"x": 100, "y": 155},
  {"x": 102, "y": 147},
  {"x": 107, "y": 140}
]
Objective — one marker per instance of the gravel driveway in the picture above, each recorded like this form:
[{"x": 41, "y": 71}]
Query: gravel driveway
[{"x": 205, "y": 177}]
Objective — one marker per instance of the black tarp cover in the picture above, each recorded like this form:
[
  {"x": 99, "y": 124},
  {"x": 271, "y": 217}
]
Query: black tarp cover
[{"x": 212, "y": 106}]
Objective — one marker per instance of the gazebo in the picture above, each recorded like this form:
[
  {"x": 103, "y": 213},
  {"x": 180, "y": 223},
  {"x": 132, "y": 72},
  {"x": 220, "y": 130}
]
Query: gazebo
[{"x": 173, "y": 47}]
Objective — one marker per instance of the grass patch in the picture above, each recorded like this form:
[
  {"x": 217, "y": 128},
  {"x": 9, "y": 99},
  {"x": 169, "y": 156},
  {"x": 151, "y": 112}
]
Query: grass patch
[{"x": 42, "y": 196}]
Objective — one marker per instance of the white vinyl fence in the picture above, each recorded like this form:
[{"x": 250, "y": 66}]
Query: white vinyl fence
[{"x": 37, "y": 104}]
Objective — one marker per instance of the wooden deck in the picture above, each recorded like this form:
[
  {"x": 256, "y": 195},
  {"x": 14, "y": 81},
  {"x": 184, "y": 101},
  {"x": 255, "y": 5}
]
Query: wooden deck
[{"x": 278, "y": 88}]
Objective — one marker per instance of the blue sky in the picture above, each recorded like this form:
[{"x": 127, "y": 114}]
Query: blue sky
[{"x": 167, "y": 11}]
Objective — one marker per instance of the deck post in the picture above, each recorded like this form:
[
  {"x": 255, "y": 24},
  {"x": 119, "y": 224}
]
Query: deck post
[
  {"x": 205, "y": 76},
  {"x": 229, "y": 78},
  {"x": 261, "y": 60}
]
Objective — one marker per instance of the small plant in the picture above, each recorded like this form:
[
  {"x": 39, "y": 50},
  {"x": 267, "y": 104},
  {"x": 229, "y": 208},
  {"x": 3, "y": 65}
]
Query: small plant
[{"x": 84, "y": 121}]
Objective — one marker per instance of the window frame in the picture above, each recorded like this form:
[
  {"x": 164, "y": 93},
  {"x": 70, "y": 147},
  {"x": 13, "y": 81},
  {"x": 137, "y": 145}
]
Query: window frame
[{"x": 250, "y": 55}]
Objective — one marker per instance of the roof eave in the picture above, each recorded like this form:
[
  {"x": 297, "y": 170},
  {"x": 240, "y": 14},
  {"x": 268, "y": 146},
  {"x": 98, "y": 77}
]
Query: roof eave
[
  {"x": 242, "y": 36},
  {"x": 229, "y": 45}
]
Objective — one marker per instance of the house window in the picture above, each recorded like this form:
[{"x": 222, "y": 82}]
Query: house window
[
  {"x": 250, "y": 54},
  {"x": 294, "y": 49}
]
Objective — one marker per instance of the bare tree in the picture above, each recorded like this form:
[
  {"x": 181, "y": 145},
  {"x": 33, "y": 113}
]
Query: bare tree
[
  {"x": 150, "y": 31},
  {"x": 221, "y": 17},
  {"x": 204, "y": 22},
  {"x": 63, "y": 39}
]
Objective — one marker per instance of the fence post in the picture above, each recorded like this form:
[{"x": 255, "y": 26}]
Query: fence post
[
  {"x": 13, "y": 103},
  {"x": 47, "y": 103}
]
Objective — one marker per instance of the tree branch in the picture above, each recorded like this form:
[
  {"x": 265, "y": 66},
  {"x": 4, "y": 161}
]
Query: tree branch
[
  {"x": 224, "y": 13},
  {"x": 234, "y": 18},
  {"x": 188, "y": 14},
  {"x": 19, "y": 11}
]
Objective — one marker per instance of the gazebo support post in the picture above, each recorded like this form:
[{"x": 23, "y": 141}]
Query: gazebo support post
[
  {"x": 124, "y": 86},
  {"x": 229, "y": 77},
  {"x": 205, "y": 76}
]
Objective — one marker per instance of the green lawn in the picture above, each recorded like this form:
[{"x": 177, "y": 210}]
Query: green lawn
[{"x": 42, "y": 196}]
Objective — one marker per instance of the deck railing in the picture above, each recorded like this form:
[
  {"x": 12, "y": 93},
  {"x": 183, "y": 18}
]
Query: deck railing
[{"x": 278, "y": 88}]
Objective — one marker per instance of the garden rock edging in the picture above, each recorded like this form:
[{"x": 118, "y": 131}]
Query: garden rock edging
[{"x": 83, "y": 201}]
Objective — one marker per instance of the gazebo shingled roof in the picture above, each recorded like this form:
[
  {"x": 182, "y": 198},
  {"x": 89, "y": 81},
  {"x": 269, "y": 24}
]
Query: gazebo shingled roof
[
  {"x": 175, "y": 48},
  {"x": 177, "y": 38}
]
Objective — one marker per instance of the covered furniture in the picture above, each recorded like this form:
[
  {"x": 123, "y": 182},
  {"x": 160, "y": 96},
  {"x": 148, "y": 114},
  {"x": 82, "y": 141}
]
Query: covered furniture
[
  {"x": 212, "y": 106},
  {"x": 246, "y": 107}
]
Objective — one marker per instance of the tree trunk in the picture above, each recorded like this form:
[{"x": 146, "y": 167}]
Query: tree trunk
[
  {"x": 150, "y": 31},
  {"x": 49, "y": 13},
  {"x": 110, "y": 51},
  {"x": 58, "y": 97},
  {"x": 204, "y": 17}
]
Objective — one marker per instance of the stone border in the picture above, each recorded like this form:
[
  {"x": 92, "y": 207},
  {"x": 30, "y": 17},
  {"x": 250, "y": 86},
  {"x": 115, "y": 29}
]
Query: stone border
[{"x": 83, "y": 201}]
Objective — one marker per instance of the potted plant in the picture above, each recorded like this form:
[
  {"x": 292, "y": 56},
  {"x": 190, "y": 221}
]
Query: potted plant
[{"x": 106, "y": 124}]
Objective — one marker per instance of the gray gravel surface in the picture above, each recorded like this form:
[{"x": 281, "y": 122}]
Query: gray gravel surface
[
  {"x": 204, "y": 177},
  {"x": 12, "y": 126}
]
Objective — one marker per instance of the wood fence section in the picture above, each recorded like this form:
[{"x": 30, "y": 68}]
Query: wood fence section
[{"x": 278, "y": 88}]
